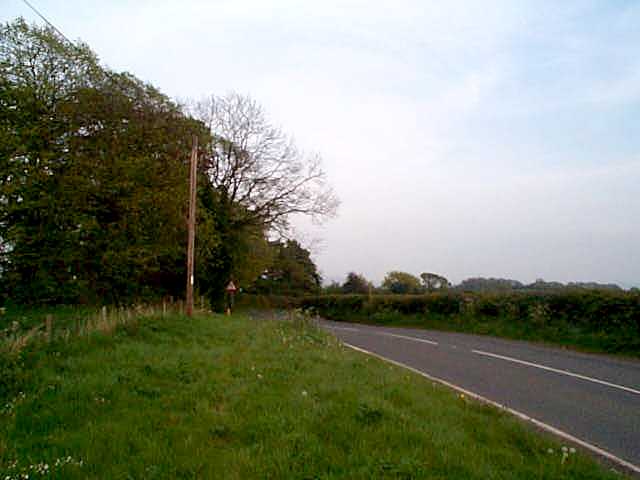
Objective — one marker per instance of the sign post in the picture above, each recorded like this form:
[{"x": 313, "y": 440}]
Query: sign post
[{"x": 231, "y": 291}]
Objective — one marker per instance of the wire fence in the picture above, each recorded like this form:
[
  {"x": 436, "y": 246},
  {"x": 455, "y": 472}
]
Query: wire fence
[{"x": 15, "y": 337}]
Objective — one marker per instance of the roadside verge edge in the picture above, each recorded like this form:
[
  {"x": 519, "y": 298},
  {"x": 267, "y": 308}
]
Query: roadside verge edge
[{"x": 555, "y": 431}]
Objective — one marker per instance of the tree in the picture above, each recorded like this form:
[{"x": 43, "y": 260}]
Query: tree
[
  {"x": 256, "y": 166},
  {"x": 433, "y": 281},
  {"x": 479, "y": 284},
  {"x": 92, "y": 168},
  {"x": 401, "y": 282},
  {"x": 256, "y": 175},
  {"x": 292, "y": 272},
  {"x": 355, "y": 283}
]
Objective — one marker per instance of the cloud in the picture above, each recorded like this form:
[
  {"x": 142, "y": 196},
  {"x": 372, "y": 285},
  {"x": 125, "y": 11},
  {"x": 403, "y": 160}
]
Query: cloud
[{"x": 466, "y": 137}]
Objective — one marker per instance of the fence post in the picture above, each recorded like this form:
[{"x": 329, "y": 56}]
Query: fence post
[{"x": 49, "y": 327}]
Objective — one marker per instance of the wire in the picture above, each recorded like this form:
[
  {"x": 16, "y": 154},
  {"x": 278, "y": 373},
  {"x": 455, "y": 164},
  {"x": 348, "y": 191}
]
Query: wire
[{"x": 48, "y": 22}]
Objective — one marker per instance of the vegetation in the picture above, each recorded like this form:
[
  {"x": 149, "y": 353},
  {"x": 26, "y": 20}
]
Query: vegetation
[
  {"x": 596, "y": 320},
  {"x": 93, "y": 190},
  {"x": 292, "y": 272},
  {"x": 214, "y": 396},
  {"x": 401, "y": 283},
  {"x": 355, "y": 283},
  {"x": 433, "y": 281}
]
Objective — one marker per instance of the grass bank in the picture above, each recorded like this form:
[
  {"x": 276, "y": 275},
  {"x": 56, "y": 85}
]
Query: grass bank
[{"x": 232, "y": 397}]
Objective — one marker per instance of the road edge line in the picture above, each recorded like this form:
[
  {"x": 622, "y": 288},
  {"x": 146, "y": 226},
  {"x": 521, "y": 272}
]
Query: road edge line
[{"x": 523, "y": 416}]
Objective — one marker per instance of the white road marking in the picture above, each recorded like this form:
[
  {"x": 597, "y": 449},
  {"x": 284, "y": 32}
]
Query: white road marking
[
  {"x": 423, "y": 340},
  {"x": 556, "y": 370},
  {"x": 523, "y": 416},
  {"x": 348, "y": 329}
]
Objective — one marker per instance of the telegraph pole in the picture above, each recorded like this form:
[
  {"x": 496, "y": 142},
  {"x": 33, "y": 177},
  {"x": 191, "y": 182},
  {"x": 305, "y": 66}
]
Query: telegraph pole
[{"x": 192, "y": 224}]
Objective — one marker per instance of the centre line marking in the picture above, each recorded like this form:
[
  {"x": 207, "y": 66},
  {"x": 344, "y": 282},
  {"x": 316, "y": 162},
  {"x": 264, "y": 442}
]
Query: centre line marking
[
  {"x": 423, "y": 340},
  {"x": 348, "y": 329},
  {"x": 556, "y": 370}
]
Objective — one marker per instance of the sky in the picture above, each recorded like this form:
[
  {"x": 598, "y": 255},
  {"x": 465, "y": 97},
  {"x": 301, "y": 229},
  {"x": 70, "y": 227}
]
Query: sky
[{"x": 488, "y": 138}]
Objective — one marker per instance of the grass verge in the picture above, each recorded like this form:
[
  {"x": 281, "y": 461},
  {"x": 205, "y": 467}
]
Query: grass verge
[{"x": 231, "y": 397}]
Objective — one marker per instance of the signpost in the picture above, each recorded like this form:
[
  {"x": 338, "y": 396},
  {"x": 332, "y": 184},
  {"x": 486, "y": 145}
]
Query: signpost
[{"x": 231, "y": 291}]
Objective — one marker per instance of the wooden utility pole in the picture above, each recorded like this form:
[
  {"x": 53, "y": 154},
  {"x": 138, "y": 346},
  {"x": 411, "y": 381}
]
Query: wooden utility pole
[{"x": 192, "y": 224}]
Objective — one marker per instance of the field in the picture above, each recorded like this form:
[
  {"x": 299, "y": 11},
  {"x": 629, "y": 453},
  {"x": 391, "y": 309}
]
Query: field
[{"x": 236, "y": 397}]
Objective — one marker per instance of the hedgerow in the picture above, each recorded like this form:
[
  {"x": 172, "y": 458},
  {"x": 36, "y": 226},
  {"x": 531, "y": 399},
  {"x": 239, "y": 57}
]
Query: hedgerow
[{"x": 600, "y": 320}]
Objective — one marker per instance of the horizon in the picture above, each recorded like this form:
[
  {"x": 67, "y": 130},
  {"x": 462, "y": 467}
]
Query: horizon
[{"x": 473, "y": 140}]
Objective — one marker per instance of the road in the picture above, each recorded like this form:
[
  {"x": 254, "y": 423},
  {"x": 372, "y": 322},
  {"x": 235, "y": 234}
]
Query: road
[{"x": 594, "y": 398}]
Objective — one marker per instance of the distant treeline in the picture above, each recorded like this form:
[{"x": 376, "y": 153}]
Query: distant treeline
[{"x": 397, "y": 282}]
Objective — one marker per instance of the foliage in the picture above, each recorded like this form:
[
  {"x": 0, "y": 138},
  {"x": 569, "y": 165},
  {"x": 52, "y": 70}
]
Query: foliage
[
  {"x": 93, "y": 194},
  {"x": 401, "y": 283},
  {"x": 356, "y": 283},
  {"x": 433, "y": 281},
  {"x": 292, "y": 271},
  {"x": 236, "y": 398},
  {"x": 598, "y": 320},
  {"x": 91, "y": 173},
  {"x": 478, "y": 284}
]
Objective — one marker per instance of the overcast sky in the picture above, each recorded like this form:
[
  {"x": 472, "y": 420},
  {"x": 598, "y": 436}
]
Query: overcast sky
[{"x": 464, "y": 138}]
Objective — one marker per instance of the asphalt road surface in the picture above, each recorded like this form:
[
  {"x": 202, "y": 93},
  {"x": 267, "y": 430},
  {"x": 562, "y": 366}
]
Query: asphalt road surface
[{"x": 593, "y": 398}]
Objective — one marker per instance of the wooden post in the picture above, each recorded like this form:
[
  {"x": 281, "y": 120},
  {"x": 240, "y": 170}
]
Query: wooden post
[
  {"x": 49, "y": 327},
  {"x": 192, "y": 225},
  {"x": 164, "y": 308},
  {"x": 104, "y": 313}
]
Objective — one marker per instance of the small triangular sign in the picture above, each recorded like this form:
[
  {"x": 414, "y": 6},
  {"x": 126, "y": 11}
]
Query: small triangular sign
[{"x": 231, "y": 287}]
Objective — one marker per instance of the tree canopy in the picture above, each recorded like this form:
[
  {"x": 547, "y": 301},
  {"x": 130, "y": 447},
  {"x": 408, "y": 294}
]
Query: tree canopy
[
  {"x": 356, "y": 283},
  {"x": 401, "y": 282},
  {"x": 291, "y": 272},
  {"x": 93, "y": 180}
]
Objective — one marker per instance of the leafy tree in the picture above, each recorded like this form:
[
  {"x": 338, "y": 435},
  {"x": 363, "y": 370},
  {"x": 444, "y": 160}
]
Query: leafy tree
[
  {"x": 355, "y": 283},
  {"x": 93, "y": 191},
  {"x": 292, "y": 271},
  {"x": 433, "y": 281},
  {"x": 478, "y": 284},
  {"x": 402, "y": 283},
  {"x": 91, "y": 175},
  {"x": 226, "y": 249}
]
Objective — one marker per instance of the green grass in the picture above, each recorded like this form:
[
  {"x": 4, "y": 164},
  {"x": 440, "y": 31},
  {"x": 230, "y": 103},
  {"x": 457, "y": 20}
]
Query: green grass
[
  {"x": 232, "y": 397},
  {"x": 29, "y": 317}
]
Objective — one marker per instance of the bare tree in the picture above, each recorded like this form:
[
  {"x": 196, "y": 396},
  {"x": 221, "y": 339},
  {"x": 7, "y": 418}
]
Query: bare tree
[{"x": 258, "y": 167}]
